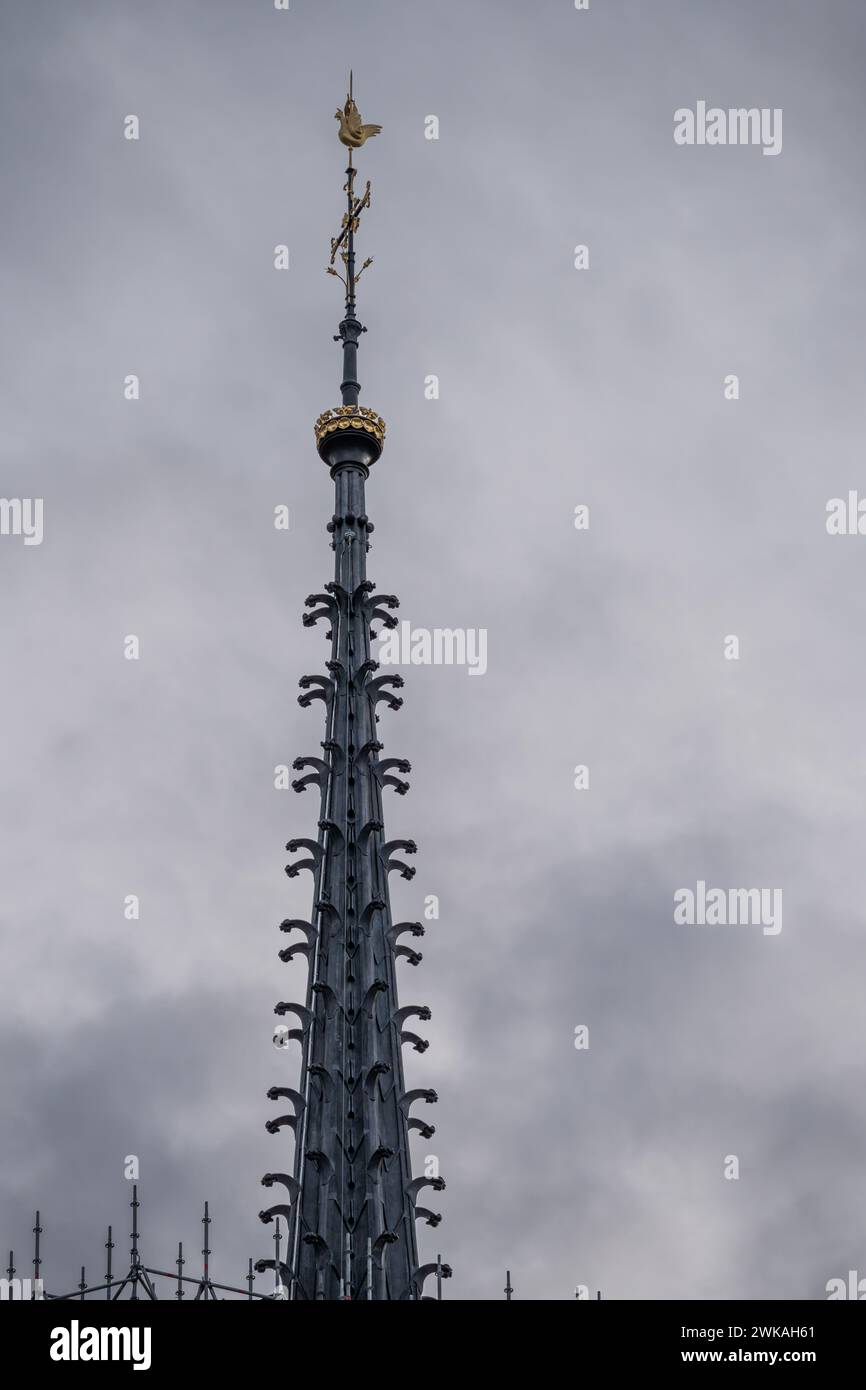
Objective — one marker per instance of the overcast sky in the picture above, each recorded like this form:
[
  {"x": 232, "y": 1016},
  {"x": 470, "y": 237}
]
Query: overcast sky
[{"x": 558, "y": 387}]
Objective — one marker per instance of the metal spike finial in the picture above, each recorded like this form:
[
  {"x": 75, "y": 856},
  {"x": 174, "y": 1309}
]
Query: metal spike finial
[
  {"x": 109, "y": 1246},
  {"x": 205, "y": 1221},
  {"x": 134, "y": 1204},
  {"x": 37, "y": 1263}
]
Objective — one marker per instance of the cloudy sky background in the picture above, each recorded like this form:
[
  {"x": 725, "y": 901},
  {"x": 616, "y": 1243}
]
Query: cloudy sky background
[{"x": 558, "y": 387}]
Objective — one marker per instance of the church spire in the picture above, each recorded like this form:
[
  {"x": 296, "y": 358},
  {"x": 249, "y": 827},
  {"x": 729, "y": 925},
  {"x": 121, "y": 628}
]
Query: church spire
[{"x": 352, "y": 1200}]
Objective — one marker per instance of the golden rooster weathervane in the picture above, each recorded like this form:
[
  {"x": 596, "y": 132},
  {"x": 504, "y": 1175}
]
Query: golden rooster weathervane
[{"x": 353, "y": 133}]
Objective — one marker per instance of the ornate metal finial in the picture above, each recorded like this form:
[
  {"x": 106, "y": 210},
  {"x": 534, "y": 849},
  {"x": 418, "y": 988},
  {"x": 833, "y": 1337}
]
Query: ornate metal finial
[
  {"x": 353, "y": 134},
  {"x": 349, "y": 424}
]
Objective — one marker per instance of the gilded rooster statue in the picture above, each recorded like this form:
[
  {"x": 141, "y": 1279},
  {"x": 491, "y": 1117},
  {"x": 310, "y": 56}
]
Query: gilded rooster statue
[{"x": 352, "y": 132}]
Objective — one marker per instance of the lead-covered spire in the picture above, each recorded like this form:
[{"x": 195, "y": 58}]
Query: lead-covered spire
[{"x": 351, "y": 1200}]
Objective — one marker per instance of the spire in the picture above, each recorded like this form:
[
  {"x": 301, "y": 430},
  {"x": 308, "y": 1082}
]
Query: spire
[{"x": 352, "y": 1200}]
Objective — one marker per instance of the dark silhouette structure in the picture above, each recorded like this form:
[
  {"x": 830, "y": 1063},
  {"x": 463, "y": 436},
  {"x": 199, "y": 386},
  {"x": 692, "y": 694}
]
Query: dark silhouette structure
[
  {"x": 138, "y": 1279},
  {"x": 352, "y": 1201}
]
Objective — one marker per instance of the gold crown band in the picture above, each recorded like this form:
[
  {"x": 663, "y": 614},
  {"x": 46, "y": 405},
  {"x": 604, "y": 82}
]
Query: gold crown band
[{"x": 350, "y": 417}]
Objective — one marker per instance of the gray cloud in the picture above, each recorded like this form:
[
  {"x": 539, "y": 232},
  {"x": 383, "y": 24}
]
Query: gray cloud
[{"x": 605, "y": 647}]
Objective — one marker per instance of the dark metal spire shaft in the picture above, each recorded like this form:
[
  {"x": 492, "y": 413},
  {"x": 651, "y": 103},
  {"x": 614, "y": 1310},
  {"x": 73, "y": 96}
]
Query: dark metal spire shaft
[{"x": 353, "y": 1167}]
